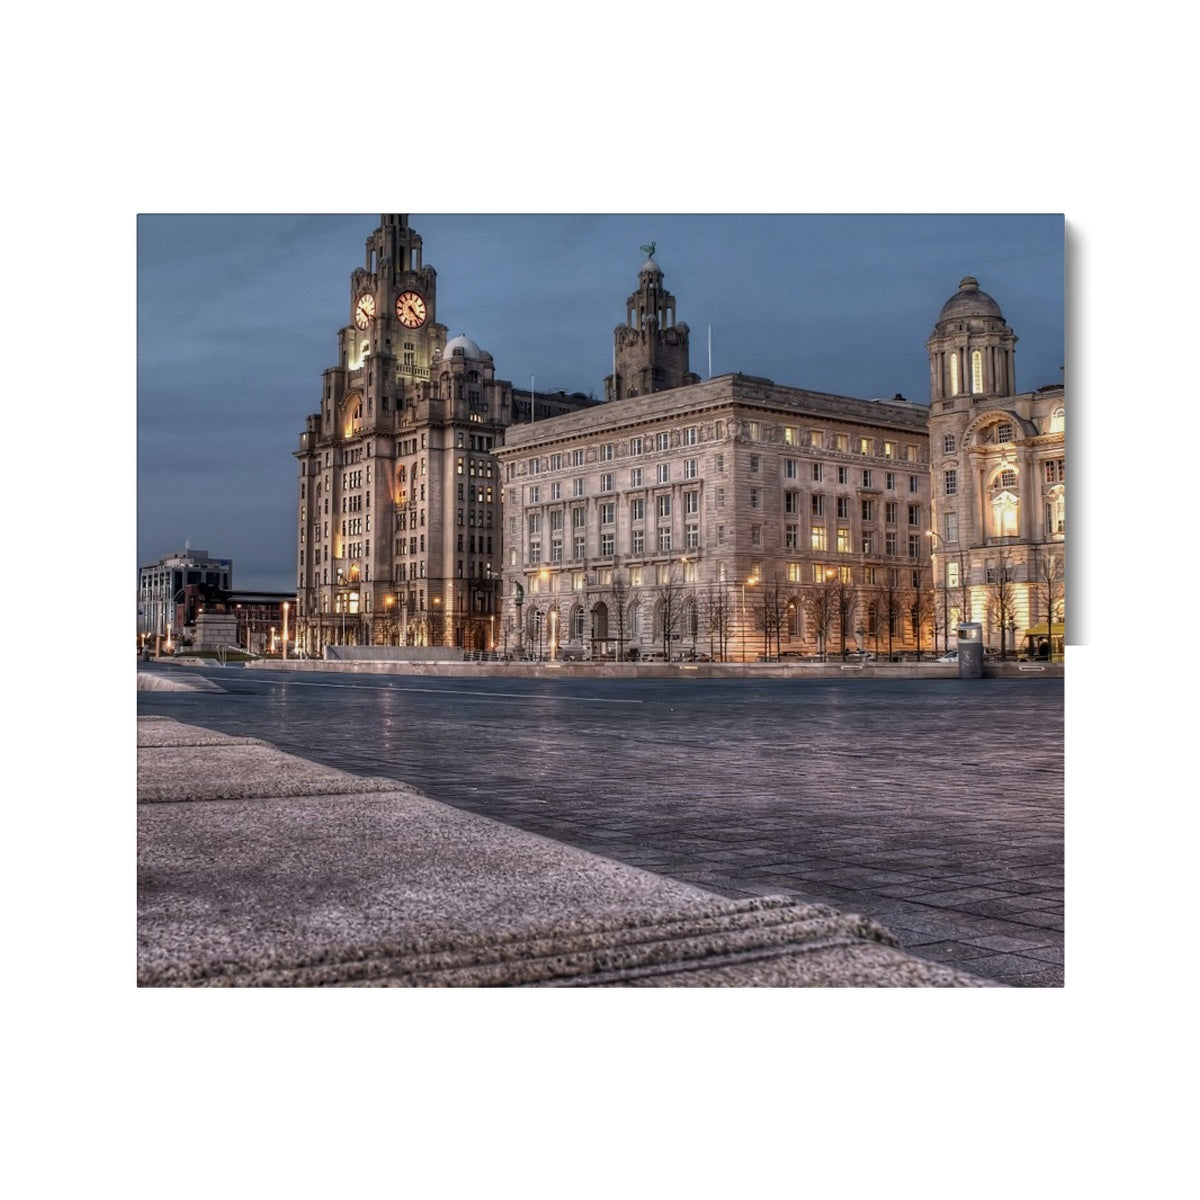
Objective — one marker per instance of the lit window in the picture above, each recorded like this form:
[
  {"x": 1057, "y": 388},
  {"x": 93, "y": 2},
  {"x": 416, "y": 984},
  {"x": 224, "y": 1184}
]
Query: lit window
[{"x": 976, "y": 371}]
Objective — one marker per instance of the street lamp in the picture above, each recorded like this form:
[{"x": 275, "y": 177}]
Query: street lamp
[
  {"x": 748, "y": 583},
  {"x": 285, "y": 630},
  {"x": 388, "y": 602},
  {"x": 932, "y": 533}
]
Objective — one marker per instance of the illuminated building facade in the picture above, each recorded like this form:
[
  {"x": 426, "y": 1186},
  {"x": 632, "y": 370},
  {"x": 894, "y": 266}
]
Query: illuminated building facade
[
  {"x": 399, "y": 504},
  {"x": 170, "y": 591},
  {"x": 998, "y": 463},
  {"x": 736, "y": 517}
]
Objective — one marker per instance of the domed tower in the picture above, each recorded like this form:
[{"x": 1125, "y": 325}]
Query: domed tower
[
  {"x": 650, "y": 351},
  {"x": 997, "y": 461},
  {"x": 971, "y": 347}
]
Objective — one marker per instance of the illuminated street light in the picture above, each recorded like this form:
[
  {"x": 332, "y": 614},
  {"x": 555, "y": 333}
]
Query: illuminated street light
[{"x": 749, "y": 583}]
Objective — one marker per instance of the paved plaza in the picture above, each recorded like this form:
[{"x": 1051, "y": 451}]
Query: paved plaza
[{"x": 934, "y": 807}]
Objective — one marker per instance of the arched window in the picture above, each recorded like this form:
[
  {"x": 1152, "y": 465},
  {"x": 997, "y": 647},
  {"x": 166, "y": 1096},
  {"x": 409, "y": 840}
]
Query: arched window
[
  {"x": 954, "y": 373},
  {"x": 635, "y": 620},
  {"x": 1056, "y": 512},
  {"x": 1058, "y": 420},
  {"x": 976, "y": 371},
  {"x": 1005, "y": 506},
  {"x": 600, "y": 621},
  {"x": 577, "y": 623}
]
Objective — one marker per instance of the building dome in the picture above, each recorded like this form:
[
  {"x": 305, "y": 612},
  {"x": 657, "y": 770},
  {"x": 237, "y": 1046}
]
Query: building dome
[
  {"x": 969, "y": 301},
  {"x": 462, "y": 347}
]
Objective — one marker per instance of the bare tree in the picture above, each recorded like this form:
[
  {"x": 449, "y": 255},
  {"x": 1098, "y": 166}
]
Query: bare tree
[
  {"x": 775, "y": 611},
  {"x": 718, "y": 618},
  {"x": 891, "y": 605},
  {"x": 1051, "y": 590},
  {"x": 844, "y": 601},
  {"x": 670, "y": 603},
  {"x": 820, "y": 606},
  {"x": 620, "y": 595},
  {"x": 924, "y": 603},
  {"x": 1002, "y": 596}
]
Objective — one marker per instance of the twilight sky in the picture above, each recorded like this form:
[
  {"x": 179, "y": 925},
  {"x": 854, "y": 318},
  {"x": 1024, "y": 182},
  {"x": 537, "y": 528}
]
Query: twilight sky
[{"x": 237, "y": 316}]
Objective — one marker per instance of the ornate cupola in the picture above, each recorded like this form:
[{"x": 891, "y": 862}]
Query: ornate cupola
[
  {"x": 971, "y": 348},
  {"x": 650, "y": 351}
]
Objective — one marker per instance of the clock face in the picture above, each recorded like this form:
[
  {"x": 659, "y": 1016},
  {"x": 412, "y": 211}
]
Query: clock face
[
  {"x": 364, "y": 310},
  {"x": 410, "y": 310}
]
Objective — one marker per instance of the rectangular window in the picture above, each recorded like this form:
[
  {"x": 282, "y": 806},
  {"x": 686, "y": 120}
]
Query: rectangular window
[
  {"x": 914, "y": 514},
  {"x": 914, "y": 545},
  {"x": 608, "y": 513},
  {"x": 606, "y": 484},
  {"x": 791, "y": 537},
  {"x": 843, "y": 474},
  {"x": 913, "y": 484},
  {"x": 577, "y": 489},
  {"x": 689, "y": 468},
  {"x": 664, "y": 539},
  {"x": 535, "y": 552},
  {"x": 949, "y": 444},
  {"x": 817, "y": 469},
  {"x": 754, "y": 497},
  {"x": 664, "y": 472},
  {"x": 754, "y": 463},
  {"x": 889, "y": 449},
  {"x": 690, "y": 436},
  {"x": 607, "y": 544},
  {"x": 890, "y": 512},
  {"x": 756, "y": 535},
  {"x": 950, "y": 481},
  {"x": 719, "y": 463},
  {"x": 890, "y": 481},
  {"x": 691, "y": 503},
  {"x": 868, "y": 541},
  {"x": 843, "y": 540},
  {"x": 691, "y": 538},
  {"x": 556, "y": 550},
  {"x": 535, "y": 466},
  {"x": 637, "y": 541},
  {"x": 843, "y": 507},
  {"x": 635, "y": 445},
  {"x": 635, "y": 477},
  {"x": 556, "y": 520},
  {"x": 841, "y": 442},
  {"x": 952, "y": 574},
  {"x": 556, "y": 462},
  {"x": 866, "y": 479},
  {"x": 662, "y": 441},
  {"x": 637, "y": 510},
  {"x": 818, "y": 505},
  {"x": 1056, "y": 470},
  {"x": 818, "y": 537},
  {"x": 556, "y": 491},
  {"x": 580, "y": 546},
  {"x": 535, "y": 495},
  {"x": 791, "y": 435},
  {"x": 535, "y": 523},
  {"x": 794, "y": 573},
  {"x": 866, "y": 445},
  {"x": 720, "y": 497},
  {"x": 791, "y": 468},
  {"x": 606, "y": 452},
  {"x": 951, "y": 522},
  {"x": 791, "y": 503},
  {"x": 664, "y": 507},
  {"x": 868, "y": 510},
  {"x": 577, "y": 458}
]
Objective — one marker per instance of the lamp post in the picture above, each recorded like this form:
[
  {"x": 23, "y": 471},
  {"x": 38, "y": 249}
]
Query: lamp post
[
  {"x": 932, "y": 533},
  {"x": 748, "y": 583},
  {"x": 388, "y": 603},
  {"x": 285, "y": 630}
]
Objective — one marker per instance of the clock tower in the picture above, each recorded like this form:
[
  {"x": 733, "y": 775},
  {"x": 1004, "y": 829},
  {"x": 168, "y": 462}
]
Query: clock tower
[
  {"x": 650, "y": 351},
  {"x": 405, "y": 425}
]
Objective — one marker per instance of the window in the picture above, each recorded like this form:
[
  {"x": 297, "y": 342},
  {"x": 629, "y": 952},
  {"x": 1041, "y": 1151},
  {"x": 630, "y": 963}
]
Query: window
[
  {"x": 868, "y": 510},
  {"x": 791, "y": 537},
  {"x": 691, "y": 503},
  {"x": 606, "y": 452},
  {"x": 976, "y": 371},
  {"x": 950, "y": 481},
  {"x": 607, "y": 544},
  {"x": 754, "y": 464},
  {"x": 608, "y": 513},
  {"x": 843, "y": 540},
  {"x": 556, "y": 462},
  {"x": 635, "y": 445},
  {"x": 556, "y": 520},
  {"x": 951, "y": 526},
  {"x": 1004, "y": 432},
  {"x": 952, "y": 574},
  {"x": 664, "y": 473},
  {"x": 535, "y": 523},
  {"x": 689, "y": 468},
  {"x": 914, "y": 514},
  {"x": 866, "y": 479},
  {"x": 719, "y": 463},
  {"x": 637, "y": 510},
  {"x": 635, "y": 477},
  {"x": 914, "y": 545},
  {"x": 890, "y": 480},
  {"x": 866, "y": 445},
  {"x": 1058, "y": 420},
  {"x": 889, "y": 449},
  {"x": 664, "y": 539},
  {"x": 843, "y": 507},
  {"x": 841, "y": 442},
  {"x": 577, "y": 458},
  {"x": 720, "y": 497},
  {"x": 690, "y": 436},
  {"x": 756, "y": 535},
  {"x": 637, "y": 541},
  {"x": 535, "y": 495},
  {"x": 913, "y": 484},
  {"x": 816, "y": 472},
  {"x": 580, "y": 546},
  {"x": 606, "y": 484},
  {"x": 691, "y": 541},
  {"x": 818, "y": 505},
  {"x": 791, "y": 503},
  {"x": 791, "y": 468},
  {"x": 754, "y": 498},
  {"x": 1055, "y": 469},
  {"x": 535, "y": 466},
  {"x": 556, "y": 491},
  {"x": 949, "y": 444},
  {"x": 577, "y": 489},
  {"x": 843, "y": 474},
  {"x": 954, "y": 373},
  {"x": 868, "y": 541},
  {"x": 890, "y": 511},
  {"x": 1056, "y": 512},
  {"x": 578, "y": 518},
  {"x": 662, "y": 441},
  {"x": 890, "y": 545},
  {"x": 664, "y": 507},
  {"x": 818, "y": 537}
]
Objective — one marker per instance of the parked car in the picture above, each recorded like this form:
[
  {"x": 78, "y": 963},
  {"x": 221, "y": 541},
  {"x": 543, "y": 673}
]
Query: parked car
[{"x": 951, "y": 656}]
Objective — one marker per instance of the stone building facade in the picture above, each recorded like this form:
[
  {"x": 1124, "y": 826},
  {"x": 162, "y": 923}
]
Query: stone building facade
[
  {"x": 399, "y": 505},
  {"x": 998, "y": 461},
  {"x": 735, "y": 518}
]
